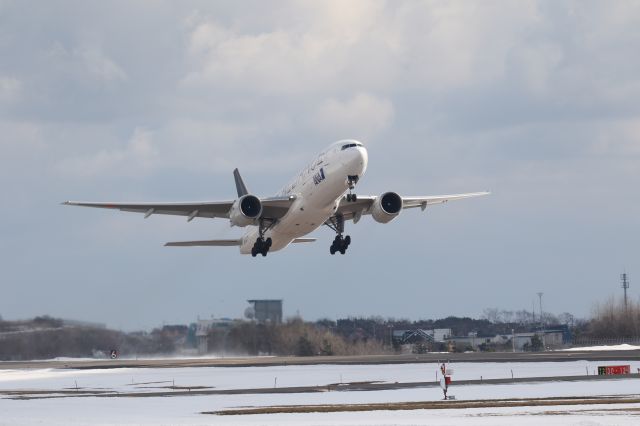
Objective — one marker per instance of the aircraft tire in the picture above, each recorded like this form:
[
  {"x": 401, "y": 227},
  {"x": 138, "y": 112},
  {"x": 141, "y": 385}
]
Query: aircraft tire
[
  {"x": 354, "y": 198},
  {"x": 269, "y": 242},
  {"x": 332, "y": 250},
  {"x": 347, "y": 241},
  {"x": 343, "y": 250}
]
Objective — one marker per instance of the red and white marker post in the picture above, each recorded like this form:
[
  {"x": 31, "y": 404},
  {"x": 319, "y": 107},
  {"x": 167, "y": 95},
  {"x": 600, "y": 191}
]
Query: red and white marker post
[{"x": 445, "y": 381}]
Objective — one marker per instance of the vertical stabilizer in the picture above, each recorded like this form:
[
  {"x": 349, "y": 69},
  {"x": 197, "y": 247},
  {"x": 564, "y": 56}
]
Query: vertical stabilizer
[{"x": 240, "y": 186}]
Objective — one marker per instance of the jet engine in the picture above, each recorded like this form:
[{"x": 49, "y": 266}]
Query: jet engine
[
  {"x": 386, "y": 207},
  {"x": 245, "y": 211}
]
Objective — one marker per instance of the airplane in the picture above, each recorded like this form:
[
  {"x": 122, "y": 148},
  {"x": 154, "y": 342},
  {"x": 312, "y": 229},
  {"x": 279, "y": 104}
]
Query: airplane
[{"x": 321, "y": 194}]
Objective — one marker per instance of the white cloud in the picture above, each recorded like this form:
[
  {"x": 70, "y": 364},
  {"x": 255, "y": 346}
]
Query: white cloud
[
  {"x": 361, "y": 46},
  {"x": 310, "y": 54},
  {"x": 98, "y": 64},
  {"x": 362, "y": 116},
  {"x": 10, "y": 89},
  {"x": 618, "y": 138},
  {"x": 20, "y": 145},
  {"x": 137, "y": 158},
  {"x": 91, "y": 60}
]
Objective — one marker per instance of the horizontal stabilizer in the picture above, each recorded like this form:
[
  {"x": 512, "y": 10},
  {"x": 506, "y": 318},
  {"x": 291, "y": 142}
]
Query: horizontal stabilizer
[
  {"x": 210, "y": 243},
  {"x": 304, "y": 240}
]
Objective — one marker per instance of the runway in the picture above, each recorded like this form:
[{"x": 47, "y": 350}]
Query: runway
[
  {"x": 311, "y": 391},
  {"x": 268, "y": 361}
]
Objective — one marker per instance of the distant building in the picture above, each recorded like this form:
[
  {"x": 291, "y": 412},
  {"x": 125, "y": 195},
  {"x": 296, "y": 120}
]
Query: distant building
[
  {"x": 472, "y": 340},
  {"x": 83, "y": 324},
  {"x": 176, "y": 333},
  {"x": 266, "y": 310},
  {"x": 551, "y": 339},
  {"x": 441, "y": 334},
  {"x": 419, "y": 335},
  {"x": 204, "y": 327}
]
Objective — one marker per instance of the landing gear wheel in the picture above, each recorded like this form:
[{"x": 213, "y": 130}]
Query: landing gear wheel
[
  {"x": 352, "y": 180},
  {"x": 261, "y": 246},
  {"x": 340, "y": 243}
]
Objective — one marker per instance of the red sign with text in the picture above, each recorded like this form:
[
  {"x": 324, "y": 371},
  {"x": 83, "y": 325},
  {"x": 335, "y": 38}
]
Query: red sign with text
[{"x": 612, "y": 370}]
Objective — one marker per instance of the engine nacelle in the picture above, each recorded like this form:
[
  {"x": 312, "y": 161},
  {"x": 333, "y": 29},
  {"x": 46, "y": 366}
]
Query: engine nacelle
[
  {"x": 245, "y": 211},
  {"x": 386, "y": 207}
]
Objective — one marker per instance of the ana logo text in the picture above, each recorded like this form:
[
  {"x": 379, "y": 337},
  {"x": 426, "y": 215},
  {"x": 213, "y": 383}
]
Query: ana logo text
[{"x": 319, "y": 177}]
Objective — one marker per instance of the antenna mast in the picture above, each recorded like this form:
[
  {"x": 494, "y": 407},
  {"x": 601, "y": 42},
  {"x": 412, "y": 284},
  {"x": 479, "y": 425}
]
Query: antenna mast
[{"x": 625, "y": 286}]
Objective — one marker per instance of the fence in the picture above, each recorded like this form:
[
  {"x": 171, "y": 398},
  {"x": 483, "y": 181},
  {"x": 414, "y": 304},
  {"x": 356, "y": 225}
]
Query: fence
[{"x": 605, "y": 341}]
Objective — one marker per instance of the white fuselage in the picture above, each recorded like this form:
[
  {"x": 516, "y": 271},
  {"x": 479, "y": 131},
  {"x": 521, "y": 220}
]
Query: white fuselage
[{"x": 318, "y": 189}]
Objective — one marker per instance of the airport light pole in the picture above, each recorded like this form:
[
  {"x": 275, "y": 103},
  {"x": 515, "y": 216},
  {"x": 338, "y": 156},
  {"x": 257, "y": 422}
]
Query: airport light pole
[{"x": 541, "y": 321}]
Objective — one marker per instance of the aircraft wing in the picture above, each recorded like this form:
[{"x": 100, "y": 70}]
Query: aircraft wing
[
  {"x": 212, "y": 243},
  {"x": 354, "y": 210},
  {"x": 224, "y": 243},
  {"x": 273, "y": 207}
]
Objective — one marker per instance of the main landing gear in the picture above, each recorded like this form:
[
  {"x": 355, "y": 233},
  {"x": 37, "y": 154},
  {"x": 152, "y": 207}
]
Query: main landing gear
[
  {"x": 340, "y": 243},
  {"x": 262, "y": 245},
  {"x": 352, "y": 180}
]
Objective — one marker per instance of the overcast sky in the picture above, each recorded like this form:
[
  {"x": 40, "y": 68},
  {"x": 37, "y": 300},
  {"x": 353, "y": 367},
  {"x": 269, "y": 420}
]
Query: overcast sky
[{"x": 537, "y": 101}]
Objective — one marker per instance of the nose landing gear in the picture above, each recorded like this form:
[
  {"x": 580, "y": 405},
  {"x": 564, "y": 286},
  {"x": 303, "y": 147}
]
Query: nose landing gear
[
  {"x": 340, "y": 243},
  {"x": 352, "y": 180}
]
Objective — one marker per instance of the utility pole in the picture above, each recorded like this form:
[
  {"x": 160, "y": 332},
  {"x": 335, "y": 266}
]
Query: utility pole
[
  {"x": 544, "y": 347},
  {"x": 625, "y": 286},
  {"x": 541, "y": 320}
]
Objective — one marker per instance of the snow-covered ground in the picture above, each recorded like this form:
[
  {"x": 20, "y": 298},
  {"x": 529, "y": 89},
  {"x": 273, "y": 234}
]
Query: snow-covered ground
[
  {"x": 121, "y": 379},
  {"x": 187, "y": 409},
  {"x": 622, "y": 347}
]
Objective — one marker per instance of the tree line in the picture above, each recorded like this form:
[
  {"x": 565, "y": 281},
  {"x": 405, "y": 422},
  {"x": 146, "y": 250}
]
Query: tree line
[{"x": 45, "y": 337}]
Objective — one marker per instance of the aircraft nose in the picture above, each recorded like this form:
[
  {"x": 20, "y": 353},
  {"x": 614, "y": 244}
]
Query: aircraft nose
[
  {"x": 362, "y": 159},
  {"x": 357, "y": 160}
]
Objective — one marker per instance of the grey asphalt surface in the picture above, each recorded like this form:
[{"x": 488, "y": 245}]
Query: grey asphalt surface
[{"x": 556, "y": 356}]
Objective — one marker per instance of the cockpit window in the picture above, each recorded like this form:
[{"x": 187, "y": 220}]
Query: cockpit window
[{"x": 350, "y": 145}]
